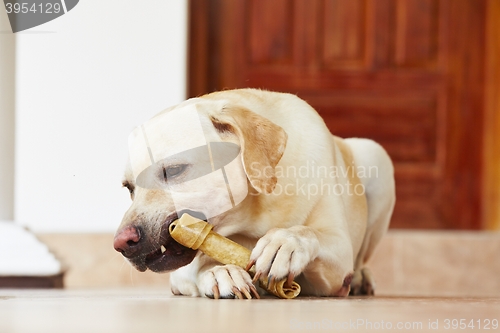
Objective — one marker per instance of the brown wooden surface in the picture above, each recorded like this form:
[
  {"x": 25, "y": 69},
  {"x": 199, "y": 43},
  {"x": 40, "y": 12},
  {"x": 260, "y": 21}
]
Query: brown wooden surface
[
  {"x": 409, "y": 74},
  {"x": 32, "y": 282}
]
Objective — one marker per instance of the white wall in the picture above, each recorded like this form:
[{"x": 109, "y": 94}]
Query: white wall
[
  {"x": 84, "y": 81},
  {"x": 7, "y": 116}
]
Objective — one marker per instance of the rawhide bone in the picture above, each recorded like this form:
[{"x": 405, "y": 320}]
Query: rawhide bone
[{"x": 198, "y": 235}]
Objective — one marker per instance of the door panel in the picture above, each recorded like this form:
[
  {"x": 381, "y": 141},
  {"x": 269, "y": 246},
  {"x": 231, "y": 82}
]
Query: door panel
[
  {"x": 406, "y": 73},
  {"x": 269, "y": 27},
  {"x": 342, "y": 34},
  {"x": 417, "y": 32}
]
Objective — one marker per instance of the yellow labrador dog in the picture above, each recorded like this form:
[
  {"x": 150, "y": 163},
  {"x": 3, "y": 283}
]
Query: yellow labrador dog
[{"x": 264, "y": 170}]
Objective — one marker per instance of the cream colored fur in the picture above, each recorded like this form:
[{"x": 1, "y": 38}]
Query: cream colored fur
[{"x": 295, "y": 218}]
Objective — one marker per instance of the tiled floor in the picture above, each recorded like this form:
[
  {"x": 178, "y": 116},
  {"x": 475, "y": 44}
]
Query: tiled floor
[{"x": 146, "y": 310}]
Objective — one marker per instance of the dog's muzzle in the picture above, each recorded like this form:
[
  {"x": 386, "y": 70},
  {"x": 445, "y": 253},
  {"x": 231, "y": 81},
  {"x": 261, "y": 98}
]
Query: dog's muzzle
[{"x": 159, "y": 254}]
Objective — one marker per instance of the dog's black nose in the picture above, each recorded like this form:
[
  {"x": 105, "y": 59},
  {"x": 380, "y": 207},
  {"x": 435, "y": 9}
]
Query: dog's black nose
[{"x": 127, "y": 241}]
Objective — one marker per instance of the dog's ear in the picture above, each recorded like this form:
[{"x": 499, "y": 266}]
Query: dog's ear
[{"x": 262, "y": 144}]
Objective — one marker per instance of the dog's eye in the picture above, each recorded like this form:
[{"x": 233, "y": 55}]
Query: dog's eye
[{"x": 173, "y": 171}]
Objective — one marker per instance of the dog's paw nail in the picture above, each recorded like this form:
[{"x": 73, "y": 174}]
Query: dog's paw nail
[
  {"x": 289, "y": 280},
  {"x": 216, "y": 293},
  {"x": 257, "y": 276},
  {"x": 237, "y": 292},
  {"x": 255, "y": 292},
  {"x": 250, "y": 264},
  {"x": 246, "y": 293}
]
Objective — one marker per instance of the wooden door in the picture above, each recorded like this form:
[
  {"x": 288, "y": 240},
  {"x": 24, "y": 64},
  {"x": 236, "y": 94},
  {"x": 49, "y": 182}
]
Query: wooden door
[{"x": 406, "y": 73}]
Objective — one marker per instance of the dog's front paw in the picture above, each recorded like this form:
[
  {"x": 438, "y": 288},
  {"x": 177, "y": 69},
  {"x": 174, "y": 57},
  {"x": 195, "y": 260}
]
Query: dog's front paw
[
  {"x": 227, "y": 281},
  {"x": 284, "y": 253}
]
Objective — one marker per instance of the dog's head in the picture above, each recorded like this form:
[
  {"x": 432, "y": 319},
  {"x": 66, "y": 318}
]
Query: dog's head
[{"x": 198, "y": 157}]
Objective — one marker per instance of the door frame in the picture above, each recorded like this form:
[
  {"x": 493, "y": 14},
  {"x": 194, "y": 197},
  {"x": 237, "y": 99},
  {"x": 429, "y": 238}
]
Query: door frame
[{"x": 491, "y": 158}]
